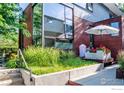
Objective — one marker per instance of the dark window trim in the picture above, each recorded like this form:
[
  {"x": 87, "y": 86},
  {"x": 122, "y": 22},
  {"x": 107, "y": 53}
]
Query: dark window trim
[
  {"x": 33, "y": 5},
  {"x": 66, "y": 5},
  {"x": 53, "y": 18},
  {"x": 87, "y": 6},
  {"x": 70, "y": 20}
]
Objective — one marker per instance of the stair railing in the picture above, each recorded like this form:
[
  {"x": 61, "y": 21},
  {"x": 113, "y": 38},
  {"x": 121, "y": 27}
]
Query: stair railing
[
  {"x": 20, "y": 55},
  {"x": 3, "y": 57}
]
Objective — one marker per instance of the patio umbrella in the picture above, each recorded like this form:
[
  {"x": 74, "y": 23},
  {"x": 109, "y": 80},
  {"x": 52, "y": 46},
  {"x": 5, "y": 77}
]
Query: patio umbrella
[{"x": 102, "y": 30}]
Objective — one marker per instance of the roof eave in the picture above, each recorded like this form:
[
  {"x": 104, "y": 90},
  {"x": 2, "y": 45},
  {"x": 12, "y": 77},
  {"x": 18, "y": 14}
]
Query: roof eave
[{"x": 114, "y": 8}]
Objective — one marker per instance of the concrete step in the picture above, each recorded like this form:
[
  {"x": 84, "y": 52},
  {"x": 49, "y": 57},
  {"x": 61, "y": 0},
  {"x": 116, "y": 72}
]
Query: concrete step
[
  {"x": 9, "y": 76},
  {"x": 2, "y": 68},
  {"x": 15, "y": 81},
  {"x": 6, "y": 82},
  {"x": 18, "y": 81},
  {"x": 9, "y": 71}
]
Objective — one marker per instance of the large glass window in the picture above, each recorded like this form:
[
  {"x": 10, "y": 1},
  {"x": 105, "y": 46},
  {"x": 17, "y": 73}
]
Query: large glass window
[
  {"x": 54, "y": 10},
  {"x": 37, "y": 24},
  {"x": 88, "y": 6},
  {"x": 58, "y": 25},
  {"x": 68, "y": 13}
]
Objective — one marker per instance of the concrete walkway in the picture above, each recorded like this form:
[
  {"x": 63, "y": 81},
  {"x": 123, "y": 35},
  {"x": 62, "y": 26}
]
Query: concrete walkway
[{"x": 105, "y": 77}]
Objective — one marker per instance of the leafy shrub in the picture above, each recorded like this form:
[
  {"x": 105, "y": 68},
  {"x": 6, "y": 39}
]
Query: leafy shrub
[
  {"x": 120, "y": 58},
  {"x": 11, "y": 63},
  {"x": 66, "y": 54},
  {"x": 48, "y": 60},
  {"x": 38, "y": 56},
  {"x": 13, "y": 56}
]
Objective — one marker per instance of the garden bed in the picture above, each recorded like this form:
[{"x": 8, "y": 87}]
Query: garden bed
[
  {"x": 69, "y": 64},
  {"x": 59, "y": 78},
  {"x": 49, "y": 61}
]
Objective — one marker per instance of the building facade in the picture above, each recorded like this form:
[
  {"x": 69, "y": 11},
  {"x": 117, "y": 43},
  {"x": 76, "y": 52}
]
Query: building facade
[{"x": 63, "y": 25}]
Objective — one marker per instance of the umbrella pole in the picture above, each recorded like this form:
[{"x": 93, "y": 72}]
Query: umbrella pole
[
  {"x": 101, "y": 39},
  {"x": 101, "y": 36},
  {"x": 91, "y": 41}
]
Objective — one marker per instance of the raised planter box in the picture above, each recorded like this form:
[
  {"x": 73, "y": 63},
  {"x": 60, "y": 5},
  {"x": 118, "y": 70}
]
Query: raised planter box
[
  {"x": 119, "y": 73},
  {"x": 59, "y": 78}
]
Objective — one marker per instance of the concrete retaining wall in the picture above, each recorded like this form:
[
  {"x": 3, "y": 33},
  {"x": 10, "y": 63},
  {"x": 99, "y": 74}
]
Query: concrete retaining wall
[{"x": 59, "y": 78}]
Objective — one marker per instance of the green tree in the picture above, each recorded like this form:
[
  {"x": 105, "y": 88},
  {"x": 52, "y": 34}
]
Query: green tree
[
  {"x": 9, "y": 20},
  {"x": 121, "y": 6}
]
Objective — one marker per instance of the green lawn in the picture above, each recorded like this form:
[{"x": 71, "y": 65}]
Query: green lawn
[{"x": 66, "y": 65}]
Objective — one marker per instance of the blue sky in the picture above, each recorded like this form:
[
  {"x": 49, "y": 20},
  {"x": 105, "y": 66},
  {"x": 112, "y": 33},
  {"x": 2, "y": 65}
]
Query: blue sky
[{"x": 23, "y": 5}]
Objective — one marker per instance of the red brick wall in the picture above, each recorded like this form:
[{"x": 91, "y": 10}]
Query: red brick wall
[
  {"x": 28, "y": 14},
  {"x": 122, "y": 28},
  {"x": 113, "y": 43},
  {"x": 80, "y": 37}
]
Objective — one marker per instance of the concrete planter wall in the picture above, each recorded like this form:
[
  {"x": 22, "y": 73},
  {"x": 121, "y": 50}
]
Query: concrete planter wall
[{"x": 59, "y": 78}]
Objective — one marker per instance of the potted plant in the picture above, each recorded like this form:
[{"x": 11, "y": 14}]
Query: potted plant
[{"x": 120, "y": 60}]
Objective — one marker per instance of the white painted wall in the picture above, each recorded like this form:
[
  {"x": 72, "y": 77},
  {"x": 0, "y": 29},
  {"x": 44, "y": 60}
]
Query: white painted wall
[{"x": 99, "y": 13}]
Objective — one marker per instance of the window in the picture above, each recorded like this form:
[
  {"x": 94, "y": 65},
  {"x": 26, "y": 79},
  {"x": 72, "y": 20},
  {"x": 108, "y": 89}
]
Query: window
[
  {"x": 54, "y": 10},
  {"x": 68, "y": 21},
  {"x": 88, "y": 6},
  {"x": 58, "y": 25},
  {"x": 115, "y": 25},
  {"x": 69, "y": 26},
  {"x": 112, "y": 15},
  {"x": 68, "y": 13},
  {"x": 37, "y": 24}
]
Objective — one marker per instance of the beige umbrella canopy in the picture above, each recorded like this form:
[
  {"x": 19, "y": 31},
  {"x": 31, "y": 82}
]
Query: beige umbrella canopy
[{"x": 102, "y": 29}]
